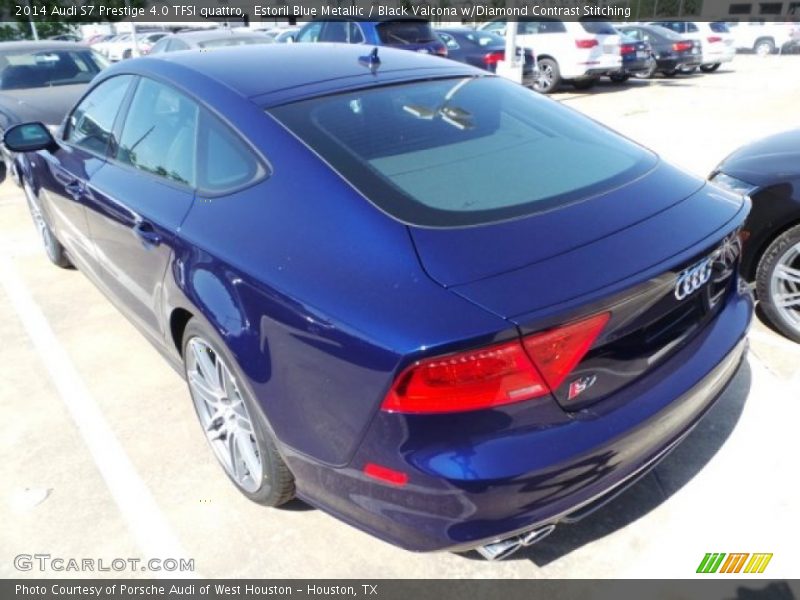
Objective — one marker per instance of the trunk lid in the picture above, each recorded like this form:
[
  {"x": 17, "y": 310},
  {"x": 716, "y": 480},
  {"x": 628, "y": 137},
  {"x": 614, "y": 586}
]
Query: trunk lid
[{"x": 623, "y": 252}]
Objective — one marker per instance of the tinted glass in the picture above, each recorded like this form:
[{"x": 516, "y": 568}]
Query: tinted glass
[
  {"x": 45, "y": 68},
  {"x": 485, "y": 39},
  {"x": 692, "y": 28},
  {"x": 664, "y": 33},
  {"x": 463, "y": 151},
  {"x": 719, "y": 27},
  {"x": 160, "y": 133},
  {"x": 90, "y": 124},
  {"x": 225, "y": 161},
  {"x": 310, "y": 33},
  {"x": 405, "y": 32},
  {"x": 598, "y": 27}
]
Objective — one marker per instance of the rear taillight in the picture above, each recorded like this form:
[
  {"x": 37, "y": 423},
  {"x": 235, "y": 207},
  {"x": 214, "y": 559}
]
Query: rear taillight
[
  {"x": 627, "y": 49},
  {"x": 495, "y": 375},
  {"x": 713, "y": 39},
  {"x": 494, "y": 57},
  {"x": 682, "y": 46},
  {"x": 591, "y": 43},
  {"x": 441, "y": 50}
]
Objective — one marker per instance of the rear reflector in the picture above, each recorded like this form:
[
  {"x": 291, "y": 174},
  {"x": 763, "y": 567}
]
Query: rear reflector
[
  {"x": 591, "y": 43},
  {"x": 713, "y": 39},
  {"x": 385, "y": 474},
  {"x": 495, "y": 375}
]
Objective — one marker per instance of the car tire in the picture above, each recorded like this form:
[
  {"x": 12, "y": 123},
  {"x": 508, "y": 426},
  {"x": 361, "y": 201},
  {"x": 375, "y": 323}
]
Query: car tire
[
  {"x": 549, "y": 77},
  {"x": 648, "y": 72},
  {"x": 670, "y": 73},
  {"x": 52, "y": 247},
  {"x": 709, "y": 68},
  {"x": 232, "y": 423},
  {"x": 619, "y": 77},
  {"x": 584, "y": 84},
  {"x": 773, "y": 279},
  {"x": 764, "y": 47}
]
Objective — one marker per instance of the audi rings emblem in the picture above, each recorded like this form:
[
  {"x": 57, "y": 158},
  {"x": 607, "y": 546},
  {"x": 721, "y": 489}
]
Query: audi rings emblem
[{"x": 694, "y": 278}]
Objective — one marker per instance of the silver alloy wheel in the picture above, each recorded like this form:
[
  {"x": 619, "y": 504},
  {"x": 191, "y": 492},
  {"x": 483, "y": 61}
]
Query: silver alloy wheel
[
  {"x": 38, "y": 219},
  {"x": 223, "y": 415},
  {"x": 764, "y": 48},
  {"x": 785, "y": 287},
  {"x": 544, "y": 80}
]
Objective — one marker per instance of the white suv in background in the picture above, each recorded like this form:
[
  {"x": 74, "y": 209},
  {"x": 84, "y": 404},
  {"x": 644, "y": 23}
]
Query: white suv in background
[
  {"x": 716, "y": 40},
  {"x": 763, "y": 37},
  {"x": 576, "y": 52}
]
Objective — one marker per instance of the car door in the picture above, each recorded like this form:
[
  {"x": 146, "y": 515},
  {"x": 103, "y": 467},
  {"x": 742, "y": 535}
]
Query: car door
[
  {"x": 142, "y": 195},
  {"x": 64, "y": 186}
]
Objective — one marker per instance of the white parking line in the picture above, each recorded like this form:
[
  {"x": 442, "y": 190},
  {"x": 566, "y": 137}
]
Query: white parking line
[{"x": 144, "y": 519}]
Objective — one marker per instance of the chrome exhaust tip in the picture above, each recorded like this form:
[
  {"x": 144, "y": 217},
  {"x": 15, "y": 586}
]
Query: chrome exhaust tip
[{"x": 504, "y": 548}]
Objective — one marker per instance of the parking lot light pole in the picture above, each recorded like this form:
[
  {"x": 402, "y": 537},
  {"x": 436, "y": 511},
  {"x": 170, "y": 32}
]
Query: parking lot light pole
[{"x": 510, "y": 67}]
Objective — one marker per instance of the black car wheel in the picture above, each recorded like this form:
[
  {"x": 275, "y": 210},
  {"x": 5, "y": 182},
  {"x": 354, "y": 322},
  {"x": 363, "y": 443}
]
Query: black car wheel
[
  {"x": 648, "y": 72},
  {"x": 778, "y": 283},
  {"x": 764, "y": 46},
  {"x": 670, "y": 72},
  {"x": 231, "y": 421},
  {"x": 709, "y": 68},
  {"x": 549, "y": 76},
  {"x": 619, "y": 77},
  {"x": 55, "y": 251}
]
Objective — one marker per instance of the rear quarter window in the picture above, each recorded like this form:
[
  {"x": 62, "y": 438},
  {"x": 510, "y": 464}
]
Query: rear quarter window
[
  {"x": 463, "y": 151},
  {"x": 405, "y": 32},
  {"x": 598, "y": 27},
  {"x": 719, "y": 27}
]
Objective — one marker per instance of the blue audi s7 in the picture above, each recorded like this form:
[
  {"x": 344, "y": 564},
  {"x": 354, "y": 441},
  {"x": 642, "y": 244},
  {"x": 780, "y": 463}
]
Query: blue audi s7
[{"x": 443, "y": 308}]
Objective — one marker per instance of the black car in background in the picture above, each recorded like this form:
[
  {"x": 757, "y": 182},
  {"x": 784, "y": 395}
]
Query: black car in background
[
  {"x": 671, "y": 51},
  {"x": 41, "y": 81},
  {"x": 769, "y": 172},
  {"x": 480, "y": 49},
  {"x": 637, "y": 59}
]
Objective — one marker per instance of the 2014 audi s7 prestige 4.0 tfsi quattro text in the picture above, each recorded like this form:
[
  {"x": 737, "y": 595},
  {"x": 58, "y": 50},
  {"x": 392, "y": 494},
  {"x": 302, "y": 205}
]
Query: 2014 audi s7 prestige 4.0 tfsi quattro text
[{"x": 443, "y": 308}]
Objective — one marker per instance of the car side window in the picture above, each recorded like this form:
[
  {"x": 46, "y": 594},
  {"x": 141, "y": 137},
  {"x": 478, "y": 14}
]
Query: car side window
[
  {"x": 634, "y": 33},
  {"x": 449, "y": 41},
  {"x": 225, "y": 162},
  {"x": 90, "y": 124},
  {"x": 310, "y": 33},
  {"x": 498, "y": 27},
  {"x": 160, "y": 133},
  {"x": 355, "y": 35},
  {"x": 334, "y": 31},
  {"x": 692, "y": 28}
]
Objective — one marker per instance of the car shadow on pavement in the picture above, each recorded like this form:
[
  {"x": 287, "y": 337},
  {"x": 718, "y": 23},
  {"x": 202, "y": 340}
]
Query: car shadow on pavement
[{"x": 675, "y": 471}]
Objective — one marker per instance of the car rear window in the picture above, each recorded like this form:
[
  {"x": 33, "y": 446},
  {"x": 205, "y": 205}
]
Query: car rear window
[
  {"x": 405, "y": 32},
  {"x": 234, "y": 41},
  {"x": 485, "y": 39},
  {"x": 598, "y": 27},
  {"x": 719, "y": 27},
  {"x": 463, "y": 151}
]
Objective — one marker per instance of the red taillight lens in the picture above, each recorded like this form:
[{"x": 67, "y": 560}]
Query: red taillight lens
[
  {"x": 495, "y": 375},
  {"x": 682, "y": 46},
  {"x": 441, "y": 50},
  {"x": 385, "y": 474},
  {"x": 556, "y": 353},
  {"x": 713, "y": 39},
  {"x": 627, "y": 49},
  {"x": 494, "y": 57},
  {"x": 586, "y": 43}
]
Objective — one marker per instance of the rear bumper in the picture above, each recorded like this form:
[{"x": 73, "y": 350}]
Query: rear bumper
[{"x": 502, "y": 478}]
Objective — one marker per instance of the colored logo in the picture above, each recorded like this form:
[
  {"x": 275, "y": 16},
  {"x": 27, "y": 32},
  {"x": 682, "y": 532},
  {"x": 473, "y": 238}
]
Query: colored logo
[{"x": 742, "y": 562}]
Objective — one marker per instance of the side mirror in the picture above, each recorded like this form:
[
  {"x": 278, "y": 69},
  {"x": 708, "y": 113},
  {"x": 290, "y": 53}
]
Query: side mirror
[{"x": 29, "y": 137}]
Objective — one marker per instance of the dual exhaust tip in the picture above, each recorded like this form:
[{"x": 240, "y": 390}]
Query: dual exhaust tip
[{"x": 505, "y": 548}]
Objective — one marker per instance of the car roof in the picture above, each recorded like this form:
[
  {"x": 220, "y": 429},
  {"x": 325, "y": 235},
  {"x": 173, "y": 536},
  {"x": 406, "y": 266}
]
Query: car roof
[
  {"x": 213, "y": 34},
  {"x": 42, "y": 45},
  {"x": 270, "y": 74}
]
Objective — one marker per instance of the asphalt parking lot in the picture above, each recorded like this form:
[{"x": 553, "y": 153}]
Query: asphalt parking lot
[{"x": 103, "y": 457}]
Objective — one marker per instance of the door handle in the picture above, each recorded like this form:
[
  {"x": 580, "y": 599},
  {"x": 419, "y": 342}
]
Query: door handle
[
  {"x": 147, "y": 233},
  {"x": 75, "y": 188}
]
